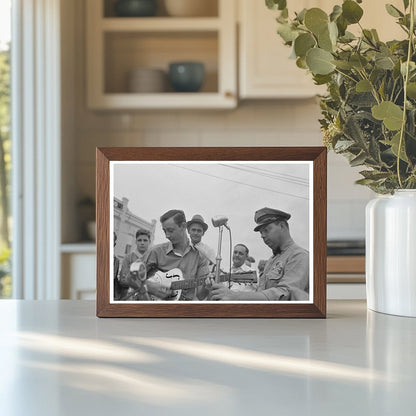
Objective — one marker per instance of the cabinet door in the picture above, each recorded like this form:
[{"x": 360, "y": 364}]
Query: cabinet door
[{"x": 265, "y": 68}]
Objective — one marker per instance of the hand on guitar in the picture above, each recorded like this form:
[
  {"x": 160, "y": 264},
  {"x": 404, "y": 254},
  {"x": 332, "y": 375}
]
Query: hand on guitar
[
  {"x": 204, "y": 290},
  {"x": 220, "y": 292},
  {"x": 155, "y": 289}
]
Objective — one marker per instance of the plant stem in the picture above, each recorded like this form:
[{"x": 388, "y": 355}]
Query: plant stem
[{"x": 405, "y": 81}]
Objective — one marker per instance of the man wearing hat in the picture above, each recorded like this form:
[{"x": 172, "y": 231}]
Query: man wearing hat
[
  {"x": 196, "y": 229},
  {"x": 286, "y": 273},
  {"x": 177, "y": 252}
]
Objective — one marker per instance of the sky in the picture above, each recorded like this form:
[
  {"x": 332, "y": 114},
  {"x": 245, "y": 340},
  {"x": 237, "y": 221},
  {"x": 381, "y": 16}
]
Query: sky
[
  {"x": 235, "y": 190},
  {"x": 5, "y": 20}
]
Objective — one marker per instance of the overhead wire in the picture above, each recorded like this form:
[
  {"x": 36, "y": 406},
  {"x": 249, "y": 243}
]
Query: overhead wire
[
  {"x": 241, "y": 183},
  {"x": 278, "y": 173},
  {"x": 275, "y": 176}
]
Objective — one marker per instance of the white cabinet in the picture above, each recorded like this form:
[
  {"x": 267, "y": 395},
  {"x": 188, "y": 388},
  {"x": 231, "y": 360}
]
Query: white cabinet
[
  {"x": 118, "y": 45},
  {"x": 265, "y": 69},
  {"x": 264, "y": 66},
  {"x": 78, "y": 264}
]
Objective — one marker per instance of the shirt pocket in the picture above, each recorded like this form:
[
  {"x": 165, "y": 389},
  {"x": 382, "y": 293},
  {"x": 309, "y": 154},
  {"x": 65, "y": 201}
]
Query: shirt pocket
[{"x": 274, "y": 276}]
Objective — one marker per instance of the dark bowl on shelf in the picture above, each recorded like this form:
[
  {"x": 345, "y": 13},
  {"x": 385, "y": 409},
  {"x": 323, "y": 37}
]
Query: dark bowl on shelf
[
  {"x": 135, "y": 8},
  {"x": 186, "y": 76}
]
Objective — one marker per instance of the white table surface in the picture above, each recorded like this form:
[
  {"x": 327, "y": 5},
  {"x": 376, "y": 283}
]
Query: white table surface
[{"x": 57, "y": 358}]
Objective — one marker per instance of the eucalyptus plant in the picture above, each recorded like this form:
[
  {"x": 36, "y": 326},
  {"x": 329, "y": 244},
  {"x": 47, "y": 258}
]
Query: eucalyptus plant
[{"x": 369, "y": 112}]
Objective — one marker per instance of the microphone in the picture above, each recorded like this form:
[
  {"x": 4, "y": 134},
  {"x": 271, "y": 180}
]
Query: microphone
[
  {"x": 138, "y": 271},
  {"x": 219, "y": 220}
]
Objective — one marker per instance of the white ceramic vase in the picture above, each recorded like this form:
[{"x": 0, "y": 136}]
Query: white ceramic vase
[{"x": 391, "y": 253}]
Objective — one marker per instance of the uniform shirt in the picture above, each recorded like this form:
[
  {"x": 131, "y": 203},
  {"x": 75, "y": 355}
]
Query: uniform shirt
[
  {"x": 286, "y": 275},
  {"x": 192, "y": 263}
]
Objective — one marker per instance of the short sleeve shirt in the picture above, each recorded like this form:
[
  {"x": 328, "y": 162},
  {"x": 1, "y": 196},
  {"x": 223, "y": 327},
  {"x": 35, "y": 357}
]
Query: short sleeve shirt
[
  {"x": 192, "y": 263},
  {"x": 286, "y": 275},
  {"x": 242, "y": 287}
]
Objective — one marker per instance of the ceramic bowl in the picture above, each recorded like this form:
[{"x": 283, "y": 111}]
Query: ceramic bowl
[
  {"x": 135, "y": 8},
  {"x": 186, "y": 76},
  {"x": 147, "y": 80}
]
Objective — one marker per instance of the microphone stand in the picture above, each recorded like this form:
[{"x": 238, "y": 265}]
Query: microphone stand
[{"x": 218, "y": 258}]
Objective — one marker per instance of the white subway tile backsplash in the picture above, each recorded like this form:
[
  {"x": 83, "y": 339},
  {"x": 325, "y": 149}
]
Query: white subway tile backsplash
[
  {"x": 202, "y": 120},
  {"x": 171, "y": 138},
  {"x": 156, "y": 119}
]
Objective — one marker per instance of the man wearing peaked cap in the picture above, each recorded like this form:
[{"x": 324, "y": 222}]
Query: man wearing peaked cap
[
  {"x": 286, "y": 273},
  {"x": 266, "y": 216}
]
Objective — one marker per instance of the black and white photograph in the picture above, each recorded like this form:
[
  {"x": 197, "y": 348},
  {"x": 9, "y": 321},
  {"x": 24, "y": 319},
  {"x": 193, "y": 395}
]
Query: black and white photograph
[{"x": 211, "y": 231}]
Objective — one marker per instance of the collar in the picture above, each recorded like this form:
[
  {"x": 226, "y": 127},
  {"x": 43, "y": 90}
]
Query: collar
[
  {"x": 188, "y": 247},
  {"x": 281, "y": 250}
]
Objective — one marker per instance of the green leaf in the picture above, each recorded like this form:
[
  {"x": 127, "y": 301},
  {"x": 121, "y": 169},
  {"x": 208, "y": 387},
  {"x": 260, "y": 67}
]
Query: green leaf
[
  {"x": 358, "y": 61},
  {"x": 316, "y": 20},
  {"x": 342, "y": 25},
  {"x": 384, "y": 62},
  {"x": 368, "y": 36},
  {"x": 363, "y": 86},
  {"x": 391, "y": 114},
  {"x": 374, "y": 175},
  {"x": 325, "y": 42},
  {"x": 347, "y": 37},
  {"x": 276, "y": 4},
  {"x": 319, "y": 61},
  {"x": 301, "y": 15},
  {"x": 343, "y": 145},
  {"x": 354, "y": 132},
  {"x": 359, "y": 160},
  {"x": 412, "y": 67},
  {"x": 303, "y": 43},
  {"x": 336, "y": 12},
  {"x": 301, "y": 63},
  {"x": 394, "y": 143},
  {"x": 375, "y": 35},
  {"x": 333, "y": 32},
  {"x": 321, "y": 79},
  {"x": 287, "y": 33},
  {"x": 351, "y": 11},
  {"x": 345, "y": 65},
  {"x": 393, "y": 11},
  {"x": 411, "y": 90}
]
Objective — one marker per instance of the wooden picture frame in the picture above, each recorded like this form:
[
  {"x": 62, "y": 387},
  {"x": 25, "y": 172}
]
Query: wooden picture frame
[{"x": 112, "y": 163}]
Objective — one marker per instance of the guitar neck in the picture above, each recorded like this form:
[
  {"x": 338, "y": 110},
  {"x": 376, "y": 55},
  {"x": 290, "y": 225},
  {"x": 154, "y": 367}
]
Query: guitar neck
[{"x": 244, "y": 277}]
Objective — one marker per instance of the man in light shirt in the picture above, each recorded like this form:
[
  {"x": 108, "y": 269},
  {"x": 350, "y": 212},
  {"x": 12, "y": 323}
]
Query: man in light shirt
[
  {"x": 196, "y": 229},
  {"x": 240, "y": 256}
]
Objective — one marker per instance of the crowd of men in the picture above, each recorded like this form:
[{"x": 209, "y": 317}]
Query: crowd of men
[{"x": 284, "y": 276}]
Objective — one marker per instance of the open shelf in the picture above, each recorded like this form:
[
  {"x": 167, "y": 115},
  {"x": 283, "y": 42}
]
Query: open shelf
[
  {"x": 116, "y": 46},
  {"x": 209, "y": 9}
]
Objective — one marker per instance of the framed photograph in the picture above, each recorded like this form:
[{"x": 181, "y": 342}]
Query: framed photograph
[{"x": 211, "y": 232}]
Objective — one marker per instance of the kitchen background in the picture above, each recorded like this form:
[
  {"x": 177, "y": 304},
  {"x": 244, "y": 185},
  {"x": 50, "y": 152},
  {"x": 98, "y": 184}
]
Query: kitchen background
[{"x": 276, "y": 121}]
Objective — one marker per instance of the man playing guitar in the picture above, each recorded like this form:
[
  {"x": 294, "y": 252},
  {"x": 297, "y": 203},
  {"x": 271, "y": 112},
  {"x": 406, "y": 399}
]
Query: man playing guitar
[{"x": 178, "y": 253}]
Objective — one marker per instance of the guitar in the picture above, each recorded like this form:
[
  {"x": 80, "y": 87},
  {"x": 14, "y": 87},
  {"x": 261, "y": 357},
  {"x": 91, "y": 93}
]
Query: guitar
[{"x": 173, "y": 281}]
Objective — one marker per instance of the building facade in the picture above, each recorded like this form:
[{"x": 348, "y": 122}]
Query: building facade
[{"x": 125, "y": 226}]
